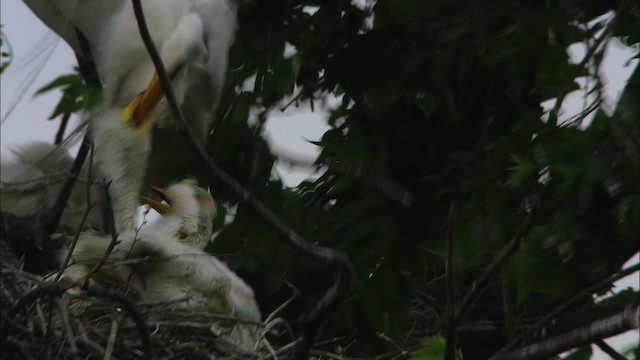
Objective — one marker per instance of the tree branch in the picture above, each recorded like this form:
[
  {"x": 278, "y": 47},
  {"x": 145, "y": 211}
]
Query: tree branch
[
  {"x": 450, "y": 332},
  {"x": 92, "y": 79},
  {"x": 507, "y": 251},
  {"x": 609, "y": 350},
  {"x": 586, "y": 293},
  {"x": 334, "y": 257},
  {"x": 600, "y": 329}
]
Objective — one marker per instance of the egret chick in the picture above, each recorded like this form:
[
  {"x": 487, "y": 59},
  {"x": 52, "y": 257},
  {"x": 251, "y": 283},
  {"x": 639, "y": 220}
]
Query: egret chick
[{"x": 172, "y": 264}]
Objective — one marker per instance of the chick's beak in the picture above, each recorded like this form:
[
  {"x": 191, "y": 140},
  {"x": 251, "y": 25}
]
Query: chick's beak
[{"x": 158, "y": 206}]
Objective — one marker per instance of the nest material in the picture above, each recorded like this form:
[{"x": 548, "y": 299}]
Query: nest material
[{"x": 39, "y": 320}]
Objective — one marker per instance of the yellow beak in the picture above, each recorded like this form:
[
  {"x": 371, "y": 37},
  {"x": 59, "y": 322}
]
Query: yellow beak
[
  {"x": 139, "y": 110},
  {"x": 161, "y": 208}
]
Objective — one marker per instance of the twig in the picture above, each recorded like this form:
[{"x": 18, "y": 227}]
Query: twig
[
  {"x": 450, "y": 332},
  {"x": 47, "y": 334},
  {"x": 61, "y": 202},
  {"x": 112, "y": 340},
  {"x": 62, "y": 128},
  {"x": 599, "y": 329},
  {"x": 609, "y": 350},
  {"x": 50, "y": 288},
  {"x": 507, "y": 251},
  {"x": 74, "y": 242},
  {"x": 293, "y": 296},
  {"x": 84, "y": 338},
  {"x": 131, "y": 308},
  {"x": 92, "y": 79},
  {"x": 568, "y": 304},
  {"x": 112, "y": 231},
  {"x": 67, "y": 326},
  {"x": 331, "y": 256}
]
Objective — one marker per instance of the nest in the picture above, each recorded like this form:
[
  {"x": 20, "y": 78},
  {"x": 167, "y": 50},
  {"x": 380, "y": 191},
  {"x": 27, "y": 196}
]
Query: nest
[{"x": 44, "y": 319}]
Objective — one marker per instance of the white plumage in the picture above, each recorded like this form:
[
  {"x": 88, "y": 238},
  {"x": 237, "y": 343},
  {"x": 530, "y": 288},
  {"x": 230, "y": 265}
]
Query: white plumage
[
  {"x": 31, "y": 183},
  {"x": 175, "y": 266},
  {"x": 193, "y": 38}
]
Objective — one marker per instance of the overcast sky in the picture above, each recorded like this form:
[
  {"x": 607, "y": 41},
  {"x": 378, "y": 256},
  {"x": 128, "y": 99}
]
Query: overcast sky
[{"x": 39, "y": 57}]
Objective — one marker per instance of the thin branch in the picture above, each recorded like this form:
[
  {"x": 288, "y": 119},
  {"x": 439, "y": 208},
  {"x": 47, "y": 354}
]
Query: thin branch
[
  {"x": 92, "y": 79},
  {"x": 571, "y": 302},
  {"x": 67, "y": 326},
  {"x": 507, "y": 251},
  {"x": 112, "y": 340},
  {"x": 61, "y": 202},
  {"x": 600, "y": 329},
  {"x": 62, "y": 128},
  {"x": 609, "y": 350},
  {"x": 328, "y": 255},
  {"x": 46, "y": 289},
  {"x": 450, "y": 332},
  {"x": 114, "y": 236},
  {"x": 130, "y": 307}
]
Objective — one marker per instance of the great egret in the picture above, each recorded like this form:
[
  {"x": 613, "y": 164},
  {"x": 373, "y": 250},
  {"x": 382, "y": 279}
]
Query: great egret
[
  {"x": 193, "y": 38},
  {"x": 31, "y": 182},
  {"x": 172, "y": 264}
]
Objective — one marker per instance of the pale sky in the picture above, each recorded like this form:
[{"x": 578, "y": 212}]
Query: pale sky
[{"x": 39, "y": 57}]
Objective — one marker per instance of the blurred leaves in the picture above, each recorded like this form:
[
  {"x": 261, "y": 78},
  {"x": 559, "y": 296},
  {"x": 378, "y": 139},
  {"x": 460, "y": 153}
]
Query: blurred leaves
[{"x": 76, "y": 95}]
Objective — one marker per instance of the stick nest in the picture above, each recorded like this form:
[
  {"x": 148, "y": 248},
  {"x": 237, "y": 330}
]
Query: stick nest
[{"x": 39, "y": 320}]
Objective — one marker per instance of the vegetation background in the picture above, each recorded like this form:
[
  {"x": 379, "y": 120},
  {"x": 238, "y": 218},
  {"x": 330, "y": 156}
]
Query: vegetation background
[{"x": 476, "y": 220}]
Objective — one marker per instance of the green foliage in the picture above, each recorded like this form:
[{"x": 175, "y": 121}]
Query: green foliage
[
  {"x": 431, "y": 349},
  {"x": 76, "y": 95},
  {"x": 583, "y": 353},
  {"x": 443, "y": 99}
]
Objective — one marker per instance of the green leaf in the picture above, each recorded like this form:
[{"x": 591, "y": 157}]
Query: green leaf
[
  {"x": 583, "y": 353},
  {"x": 522, "y": 172},
  {"x": 432, "y": 348}
]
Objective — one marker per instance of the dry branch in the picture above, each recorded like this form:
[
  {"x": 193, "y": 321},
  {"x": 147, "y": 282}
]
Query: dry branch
[{"x": 613, "y": 325}]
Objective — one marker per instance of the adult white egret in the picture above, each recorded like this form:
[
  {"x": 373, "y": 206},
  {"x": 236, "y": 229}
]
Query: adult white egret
[
  {"x": 172, "y": 264},
  {"x": 30, "y": 184},
  {"x": 193, "y": 38}
]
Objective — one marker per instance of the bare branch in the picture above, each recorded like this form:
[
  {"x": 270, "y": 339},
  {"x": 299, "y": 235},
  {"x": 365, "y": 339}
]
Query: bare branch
[
  {"x": 600, "y": 329},
  {"x": 609, "y": 350},
  {"x": 62, "y": 128},
  {"x": 450, "y": 332},
  {"x": 586, "y": 293}
]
